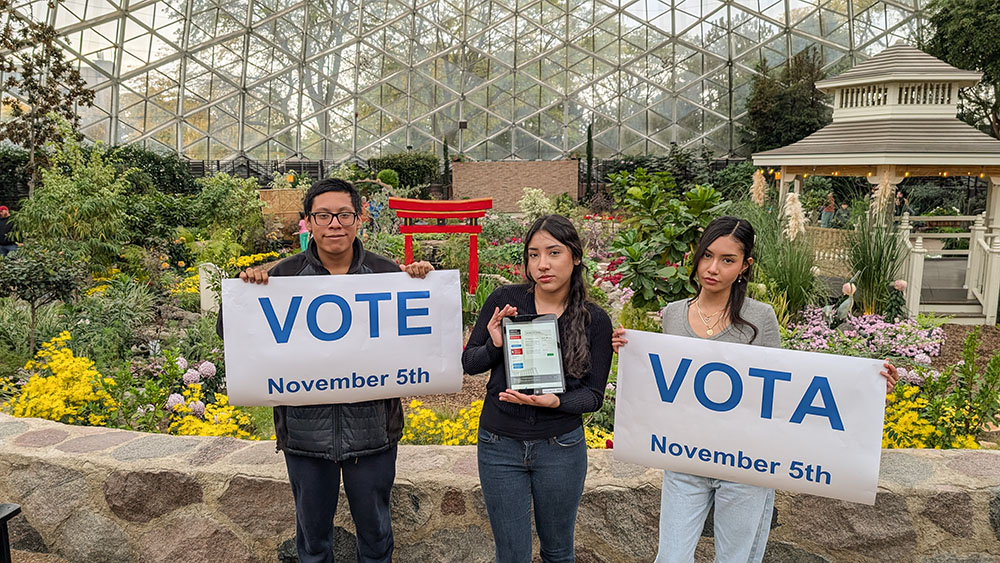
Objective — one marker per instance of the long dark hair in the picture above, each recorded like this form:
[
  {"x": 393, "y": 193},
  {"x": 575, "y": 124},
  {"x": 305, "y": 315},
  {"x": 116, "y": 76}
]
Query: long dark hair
[
  {"x": 742, "y": 231},
  {"x": 575, "y": 351}
]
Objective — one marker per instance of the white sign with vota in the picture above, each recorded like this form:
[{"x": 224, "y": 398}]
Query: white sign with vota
[
  {"x": 310, "y": 340},
  {"x": 798, "y": 421}
]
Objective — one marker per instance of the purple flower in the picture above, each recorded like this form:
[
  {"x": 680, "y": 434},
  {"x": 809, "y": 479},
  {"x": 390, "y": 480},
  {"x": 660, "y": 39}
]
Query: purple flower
[
  {"x": 174, "y": 401},
  {"x": 197, "y": 408},
  {"x": 191, "y": 377},
  {"x": 182, "y": 363},
  {"x": 922, "y": 358},
  {"x": 206, "y": 369}
]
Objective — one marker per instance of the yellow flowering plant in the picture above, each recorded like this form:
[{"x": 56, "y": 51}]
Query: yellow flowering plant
[
  {"x": 946, "y": 410},
  {"x": 62, "y": 387},
  {"x": 424, "y": 426},
  {"x": 192, "y": 417}
]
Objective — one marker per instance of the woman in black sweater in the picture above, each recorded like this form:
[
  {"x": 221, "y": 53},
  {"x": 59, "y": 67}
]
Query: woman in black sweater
[{"x": 532, "y": 451}]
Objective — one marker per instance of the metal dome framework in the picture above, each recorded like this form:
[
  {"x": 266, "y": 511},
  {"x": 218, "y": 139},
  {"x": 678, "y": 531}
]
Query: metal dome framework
[{"x": 342, "y": 79}]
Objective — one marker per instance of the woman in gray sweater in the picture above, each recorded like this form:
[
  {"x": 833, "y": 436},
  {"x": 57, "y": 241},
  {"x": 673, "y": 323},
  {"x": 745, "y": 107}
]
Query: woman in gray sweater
[{"x": 719, "y": 310}]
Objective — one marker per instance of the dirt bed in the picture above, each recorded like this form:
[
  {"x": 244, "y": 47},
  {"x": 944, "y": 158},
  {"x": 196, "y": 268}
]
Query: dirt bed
[{"x": 955, "y": 335}]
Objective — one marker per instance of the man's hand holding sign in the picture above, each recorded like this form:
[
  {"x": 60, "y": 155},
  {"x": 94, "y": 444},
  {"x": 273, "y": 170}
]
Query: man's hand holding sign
[{"x": 798, "y": 421}]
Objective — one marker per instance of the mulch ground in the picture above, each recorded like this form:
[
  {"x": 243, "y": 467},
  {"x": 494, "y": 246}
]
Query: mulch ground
[{"x": 955, "y": 335}]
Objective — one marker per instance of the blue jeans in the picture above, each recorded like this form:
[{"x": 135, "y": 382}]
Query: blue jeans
[
  {"x": 316, "y": 489},
  {"x": 6, "y": 249},
  {"x": 742, "y": 518},
  {"x": 518, "y": 475}
]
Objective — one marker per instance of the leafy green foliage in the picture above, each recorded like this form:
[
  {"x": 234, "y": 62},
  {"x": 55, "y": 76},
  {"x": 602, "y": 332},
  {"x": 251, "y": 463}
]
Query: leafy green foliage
[
  {"x": 13, "y": 174},
  {"x": 734, "y": 181},
  {"x": 785, "y": 106},
  {"x": 106, "y": 321},
  {"x": 534, "y": 204},
  {"x": 656, "y": 184},
  {"x": 389, "y": 177},
  {"x": 784, "y": 266},
  {"x": 662, "y": 231},
  {"x": 964, "y": 35},
  {"x": 687, "y": 166},
  {"x": 39, "y": 276},
  {"x": 80, "y": 207},
  {"x": 875, "y": 252},
  {"x": 227, "y": 202},
  {"x": 414, "y": 168},
  {"x": 964, "y": 397},
  {"x": 164, "y": 172}
]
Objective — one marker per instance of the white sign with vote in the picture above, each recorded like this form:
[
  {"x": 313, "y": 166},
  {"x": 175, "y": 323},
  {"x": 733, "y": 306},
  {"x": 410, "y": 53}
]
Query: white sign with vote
[
  {"x": 310, "y": 340},
  {"x": 798, "y": 421}
]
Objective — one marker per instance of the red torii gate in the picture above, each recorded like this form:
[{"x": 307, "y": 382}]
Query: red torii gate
[{"x": 468, "y": 209}]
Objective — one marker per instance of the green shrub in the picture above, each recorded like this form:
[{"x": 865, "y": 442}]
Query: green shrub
[
  {"x": 80, "y": 207},
  {"x": 414, "y": 168},
  {"x": 105, "y": 323},
  {"x": 166, "y": 172},
  {"x": 13, "y": 179},
  {"x": 38, "y": 277},
  {"x": 229, "y": 203},
  {"x": 389, "y": 177},
  {"x": 534, "y": 204},
  {"x": 875, "y": 253}
]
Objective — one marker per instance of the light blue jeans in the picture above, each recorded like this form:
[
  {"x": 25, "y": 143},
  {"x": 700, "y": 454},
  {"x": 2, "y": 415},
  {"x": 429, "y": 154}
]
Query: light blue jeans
[{"x": 742, "y": 518}]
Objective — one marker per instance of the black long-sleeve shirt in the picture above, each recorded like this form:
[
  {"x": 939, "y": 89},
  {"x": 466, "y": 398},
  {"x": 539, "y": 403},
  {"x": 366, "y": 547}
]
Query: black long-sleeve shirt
[
  {"x": 524, "y": 422},
  {"x": 5, "y": 228}
]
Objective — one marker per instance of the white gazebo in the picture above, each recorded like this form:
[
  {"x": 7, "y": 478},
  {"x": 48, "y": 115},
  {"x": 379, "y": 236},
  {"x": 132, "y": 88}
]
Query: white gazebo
[{"x": 893, "y": 118}]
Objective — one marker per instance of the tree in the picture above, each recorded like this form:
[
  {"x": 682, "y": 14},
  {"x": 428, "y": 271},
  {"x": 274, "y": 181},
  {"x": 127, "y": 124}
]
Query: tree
[
  {"x": 965, "y": 36},
  {"x": 784, "y": 106},
  {"x": 46, "y": 85},
  {"x": 79, "y": 205},
  {"x": 39, "y": 276}
]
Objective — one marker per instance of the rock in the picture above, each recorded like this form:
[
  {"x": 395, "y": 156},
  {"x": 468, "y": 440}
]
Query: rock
[
  {"x": 84, "y": 538},
  {"x": 951, "y": 511},
  {"x": 965, "y": 558},
  {"x": 25, "y": 537},
  {"x": 345, "y": 546},
  {"x": 995, "y": 514},
  {"x": 185, "y": 537},
  {"x": 410, "y": 507},
  {"x": 41, "y": 438},
  {"x": 140, "y": 496},
  {"x": 883, "y": 532},
  {"x": 153, "y": 446},
  {"x": 904, "y": 468},
  {"x": 48, "y": 493},
  {"x": 263, "y": 507},
  {"x": 778, "y": 552},
  {"x": 453, "y": 502},
  {"x": 627, "y": 519},
  {"x": 96, "y": 442},
  {"x": 216, "y": 450},
  {"x": 451, "y": 545},
  {"x": 287, "y": 552}
]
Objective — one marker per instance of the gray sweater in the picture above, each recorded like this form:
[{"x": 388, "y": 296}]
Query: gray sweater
[{"x": 675, "y": 321}]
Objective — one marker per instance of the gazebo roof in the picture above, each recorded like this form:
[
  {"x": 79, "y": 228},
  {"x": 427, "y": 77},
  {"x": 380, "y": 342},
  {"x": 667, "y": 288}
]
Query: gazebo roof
[
  {"x": 886, "y": 141},
  {"x": 900, "y": 63}
]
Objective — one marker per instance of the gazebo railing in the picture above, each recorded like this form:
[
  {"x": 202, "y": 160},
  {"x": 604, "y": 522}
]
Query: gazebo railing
[{"x": 984, "y": 271}]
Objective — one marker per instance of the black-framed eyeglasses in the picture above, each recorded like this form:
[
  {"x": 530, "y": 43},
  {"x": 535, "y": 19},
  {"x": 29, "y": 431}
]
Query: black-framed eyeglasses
[{"x": 345, "y": 218}]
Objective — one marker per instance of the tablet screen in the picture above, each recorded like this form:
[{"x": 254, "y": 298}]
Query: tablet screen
[{"x": 534, "y": 361}]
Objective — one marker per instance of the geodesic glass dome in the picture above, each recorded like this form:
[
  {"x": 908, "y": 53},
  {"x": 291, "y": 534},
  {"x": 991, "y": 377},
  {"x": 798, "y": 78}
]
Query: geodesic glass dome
[{"x": 339, "y": 79}]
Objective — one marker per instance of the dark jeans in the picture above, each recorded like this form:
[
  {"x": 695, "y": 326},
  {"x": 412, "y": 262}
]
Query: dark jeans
[
  {"x": 547, "y": 475},
  {"x": 316, "y": 487},
  {"x": 6, "y": 249}
]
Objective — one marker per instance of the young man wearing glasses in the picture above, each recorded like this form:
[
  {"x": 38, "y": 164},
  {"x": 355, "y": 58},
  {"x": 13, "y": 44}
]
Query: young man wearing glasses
[{"x": 356, "y": 440}]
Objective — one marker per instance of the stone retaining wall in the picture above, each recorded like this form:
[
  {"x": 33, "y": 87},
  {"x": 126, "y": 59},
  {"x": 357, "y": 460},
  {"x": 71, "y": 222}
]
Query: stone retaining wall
[{"x": 97, "y": 495}]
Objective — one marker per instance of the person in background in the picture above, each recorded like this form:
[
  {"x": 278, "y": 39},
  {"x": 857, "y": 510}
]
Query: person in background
[
  {"x": 303, "y": 232},
  {"x": 828, "y": 211},
  {"x": 843, "y": 216},
  {"x": 6, "y": 244}
]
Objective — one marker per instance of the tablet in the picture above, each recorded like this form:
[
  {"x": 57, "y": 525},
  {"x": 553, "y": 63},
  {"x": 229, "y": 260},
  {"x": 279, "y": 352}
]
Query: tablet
[{"x": 532, "y": 354}]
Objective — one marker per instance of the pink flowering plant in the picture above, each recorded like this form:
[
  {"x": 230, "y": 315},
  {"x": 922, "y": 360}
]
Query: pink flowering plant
[{"x": 916, "y": 340}]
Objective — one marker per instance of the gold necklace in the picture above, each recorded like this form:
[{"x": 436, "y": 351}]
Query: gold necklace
[{"x": 709, "y": 328}]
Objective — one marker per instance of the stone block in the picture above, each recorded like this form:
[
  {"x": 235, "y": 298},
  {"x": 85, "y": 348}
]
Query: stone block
[
  {"x": 154, "y": 446},
  {"x": 627, "y": 519},
  {"x": 951, "y": 511},
  {"x": 41, "y": 438},
  {"x": 140, "y": 496},
  {"x": 97, "y": 442},
  {"x": 24, "y": 536},
  {"x": 469, "y": 544},
  {"x": 884, "y": 532},
  {"x": 85, "y": 537},
  {"x": 186, "y": 537},
  {"x": 216, "y": 450},
  {"x": 261, "y": 506}
]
